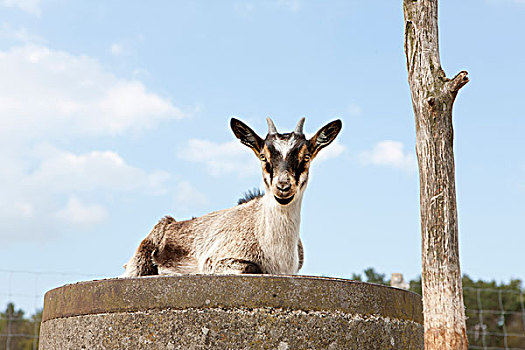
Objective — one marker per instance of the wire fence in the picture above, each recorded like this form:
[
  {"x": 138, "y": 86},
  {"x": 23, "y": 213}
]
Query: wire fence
[{"x": 495, "y": 317}]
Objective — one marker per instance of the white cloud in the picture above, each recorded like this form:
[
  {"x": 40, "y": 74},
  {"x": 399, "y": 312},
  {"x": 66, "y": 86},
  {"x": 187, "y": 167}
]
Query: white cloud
[
  {"x": 30, "y": 6},
  {"x": 389, "y": 153},
  {"x": 49, "y": 97},
  {"x": 127, "y": 46},
  {"x": 79, "y": 214},
  {"x": 334, "y": 150},
  {"x": 291, "y": 5},
  {"x": 116, "y": 49},
  {"x": 19, "y": 35},
  {"x": 72, "y": 95},
  {"x": 188, "y": 197},
  {"x": 221, "y": 158},
  {"x": 243, "y": 8},
  {"x": 63, "y": 172},
  {"x": 36, "y": 184}
]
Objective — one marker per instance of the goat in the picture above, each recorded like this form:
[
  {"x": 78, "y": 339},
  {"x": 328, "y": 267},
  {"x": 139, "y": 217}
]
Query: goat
[{"x": 260, "y": 235}]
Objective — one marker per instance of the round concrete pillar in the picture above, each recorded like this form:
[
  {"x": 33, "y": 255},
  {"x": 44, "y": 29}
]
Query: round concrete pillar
[{"x": 231, "y": 312}]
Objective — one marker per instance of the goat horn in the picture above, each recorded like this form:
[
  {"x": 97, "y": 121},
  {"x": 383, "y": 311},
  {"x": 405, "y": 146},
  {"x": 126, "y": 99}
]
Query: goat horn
[
  {"x": 299, "y": 127},
  {"x": 271, "y": 126}
]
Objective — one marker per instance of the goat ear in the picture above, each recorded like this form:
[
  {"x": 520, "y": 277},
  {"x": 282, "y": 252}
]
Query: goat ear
[
  {"x": 325, "y": 136},
  {"x": 247, "y": 136}
]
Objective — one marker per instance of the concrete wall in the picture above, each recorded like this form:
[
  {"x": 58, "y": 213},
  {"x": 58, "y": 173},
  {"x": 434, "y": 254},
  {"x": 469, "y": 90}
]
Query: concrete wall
[{"x": 231, "y": 312}]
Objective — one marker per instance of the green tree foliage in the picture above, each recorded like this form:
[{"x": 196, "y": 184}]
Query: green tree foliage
[
  {"x": 16, "y": 331},
  {"x": 372, "y": 277}
]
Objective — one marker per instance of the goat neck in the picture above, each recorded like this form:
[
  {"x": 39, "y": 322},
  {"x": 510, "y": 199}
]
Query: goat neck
[{"x": 279, "y": 234}]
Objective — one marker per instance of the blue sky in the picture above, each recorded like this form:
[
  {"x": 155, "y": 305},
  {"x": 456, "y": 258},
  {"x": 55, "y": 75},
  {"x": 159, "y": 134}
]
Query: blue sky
[{"x": 114, "y": 114}]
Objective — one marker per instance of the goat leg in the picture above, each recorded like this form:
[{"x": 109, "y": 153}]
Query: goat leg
[{"x": 236, "y": 266}]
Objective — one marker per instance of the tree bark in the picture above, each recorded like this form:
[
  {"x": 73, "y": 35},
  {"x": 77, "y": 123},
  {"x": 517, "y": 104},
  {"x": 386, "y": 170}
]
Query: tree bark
[{"x": 433, "y": 95}]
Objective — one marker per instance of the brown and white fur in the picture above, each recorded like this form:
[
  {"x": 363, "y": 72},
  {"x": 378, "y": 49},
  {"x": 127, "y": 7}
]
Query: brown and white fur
[{"x": 258, "y": 236}]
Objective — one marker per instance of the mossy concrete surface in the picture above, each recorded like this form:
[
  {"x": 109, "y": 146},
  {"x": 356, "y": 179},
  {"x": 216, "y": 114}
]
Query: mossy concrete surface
[{"x": 231, "y": 312}]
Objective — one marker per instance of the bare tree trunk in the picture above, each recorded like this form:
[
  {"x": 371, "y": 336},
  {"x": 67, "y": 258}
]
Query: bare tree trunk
[{"x": 433, "y": 95}]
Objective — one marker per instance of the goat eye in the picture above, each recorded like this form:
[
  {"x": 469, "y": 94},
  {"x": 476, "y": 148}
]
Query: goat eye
[
  {"x": 306, "y": 158},
  {"x": 262, "y": 157}
]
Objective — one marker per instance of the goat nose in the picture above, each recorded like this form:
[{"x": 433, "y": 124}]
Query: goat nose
[{"x": 283, "y": 186}]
